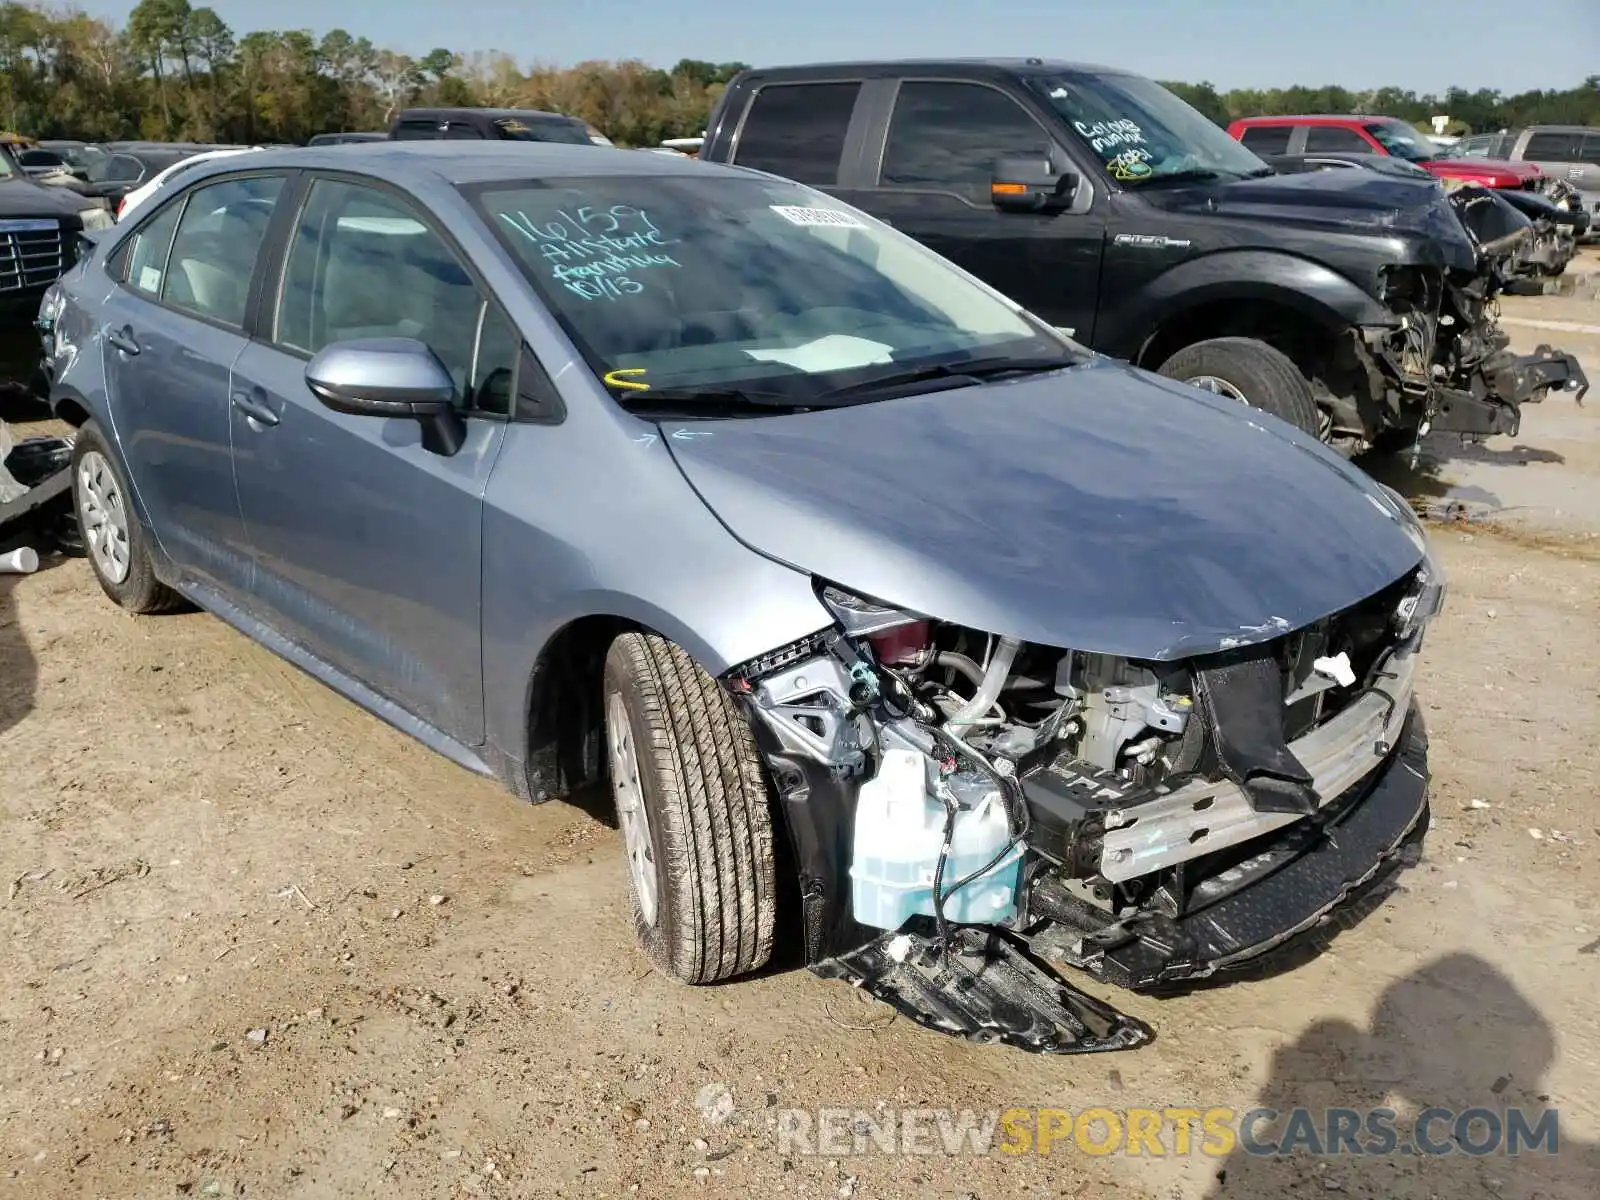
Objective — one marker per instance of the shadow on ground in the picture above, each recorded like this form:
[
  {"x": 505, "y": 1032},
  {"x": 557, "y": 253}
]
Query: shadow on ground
[
  {"x": 1454, "y": 1036},
  {"x": 19, "y": 673}
]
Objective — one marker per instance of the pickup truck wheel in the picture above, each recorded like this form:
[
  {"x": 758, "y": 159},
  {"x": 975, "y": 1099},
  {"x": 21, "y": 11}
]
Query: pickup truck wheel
[
  {"x": 114, "y": 541},
  {"x": 695, "y": 813},
  {"x": 1252, "y": 373}
]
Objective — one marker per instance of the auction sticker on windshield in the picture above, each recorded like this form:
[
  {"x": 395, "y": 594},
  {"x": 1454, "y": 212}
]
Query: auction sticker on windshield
[{"x": 798, "y": 215}]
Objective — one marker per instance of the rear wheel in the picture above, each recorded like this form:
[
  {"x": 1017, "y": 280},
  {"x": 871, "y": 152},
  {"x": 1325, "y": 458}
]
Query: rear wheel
[
  {"x": 695, "y": 813},
  {"x": 1254, "y": 374},
  {"x": 115, "y": 543}
]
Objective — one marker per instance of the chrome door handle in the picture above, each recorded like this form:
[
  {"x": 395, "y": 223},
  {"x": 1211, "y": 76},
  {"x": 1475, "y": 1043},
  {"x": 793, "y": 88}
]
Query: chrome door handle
[
  {"x": 254, "y": 409},
  {"x": 122, "y": 339}
]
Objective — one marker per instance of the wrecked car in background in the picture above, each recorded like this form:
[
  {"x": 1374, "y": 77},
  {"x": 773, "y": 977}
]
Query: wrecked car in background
[
  {"x": 729, "y": 493},
  {"x": 1349, "y": 304},
  {"x": 1556, "y": 219}
]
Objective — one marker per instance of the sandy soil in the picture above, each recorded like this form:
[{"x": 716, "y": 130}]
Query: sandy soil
[{"x": 256, "y": 943}]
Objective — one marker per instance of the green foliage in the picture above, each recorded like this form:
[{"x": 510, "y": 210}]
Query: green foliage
[
  {"x": 178, "y": 72},
  {"x": 1482, "y": 111}
]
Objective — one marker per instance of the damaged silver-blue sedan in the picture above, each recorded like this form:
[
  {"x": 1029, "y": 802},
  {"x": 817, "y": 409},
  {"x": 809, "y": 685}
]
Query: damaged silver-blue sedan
[{"x": 860, "y": 585}]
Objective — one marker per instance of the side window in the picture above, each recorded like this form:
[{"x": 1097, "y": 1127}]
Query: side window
[
  {"x": 797, "y": 130},
  {"x": 494, "y": 362},
  {"x": 1267, "y": 139},
  {"x": 143, "y": 258},
  {"x": 461, "y": 131},
  {"x": 1552, "y": 147},
  {"x": 214, "y": 251},
  {"x": 361, "y": 264},
  {"x": 1320, "y": 138},
  {"x": 416, "y": 131},
  {"x": 950, "y": 135}
]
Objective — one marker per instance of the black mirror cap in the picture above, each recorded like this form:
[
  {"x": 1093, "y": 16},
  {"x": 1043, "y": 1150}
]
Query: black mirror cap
[
  {"x": 1031, "y": 185},
  {"x": 381, "y": 377}
]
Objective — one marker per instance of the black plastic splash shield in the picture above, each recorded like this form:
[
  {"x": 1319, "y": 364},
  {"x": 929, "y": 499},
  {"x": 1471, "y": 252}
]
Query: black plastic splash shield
[
  {"x": 1344, "y": 862},
  {"x": 984, "y": 990}
]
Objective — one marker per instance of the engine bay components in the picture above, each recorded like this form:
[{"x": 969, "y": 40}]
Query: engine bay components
[{"x": 971, "y": 811}]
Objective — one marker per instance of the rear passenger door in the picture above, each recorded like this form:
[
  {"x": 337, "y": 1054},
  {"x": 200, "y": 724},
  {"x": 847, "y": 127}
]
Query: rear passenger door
[
  {"x": 173, "y": 327},
  {"x": 368, "y": 547}
]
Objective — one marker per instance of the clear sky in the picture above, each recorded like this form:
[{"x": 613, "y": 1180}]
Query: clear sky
[{"x": 1425, "y": 45}]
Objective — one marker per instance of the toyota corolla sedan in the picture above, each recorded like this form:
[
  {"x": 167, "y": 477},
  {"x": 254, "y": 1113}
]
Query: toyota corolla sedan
[{"x": 583, "y": 464}]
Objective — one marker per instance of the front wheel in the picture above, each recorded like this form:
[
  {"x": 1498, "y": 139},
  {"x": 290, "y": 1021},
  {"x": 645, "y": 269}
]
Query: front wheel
[
  {"x": 694, "y": 810},
  {"x": 1252, "y": 373}
]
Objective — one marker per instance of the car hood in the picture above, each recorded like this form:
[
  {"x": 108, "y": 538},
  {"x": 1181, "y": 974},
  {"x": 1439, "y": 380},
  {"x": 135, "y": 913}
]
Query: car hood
[
  {"x": 1481, "y": 166},
  {"x": 23, "y": 198},
  {"x": 1344, "y": 202},
  {"x": 1095, "y": 508}
]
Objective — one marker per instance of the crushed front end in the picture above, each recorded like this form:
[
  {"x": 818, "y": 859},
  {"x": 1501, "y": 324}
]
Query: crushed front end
[
  {"x": 1443, "y": 363},
  {"x": 969, "y": 813}
]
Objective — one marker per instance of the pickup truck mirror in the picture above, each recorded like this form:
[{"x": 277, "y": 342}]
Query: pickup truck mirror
[{"x": 1031, "y": 185}]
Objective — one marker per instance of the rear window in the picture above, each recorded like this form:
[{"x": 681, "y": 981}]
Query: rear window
[
  {"x": 1553, "y": 147},
  {"x": 797, "y": 130},
  {"x": 416, "y": 130},
  {"x": 1267, "y": 139},
  {"x": 543, "y": 129}
]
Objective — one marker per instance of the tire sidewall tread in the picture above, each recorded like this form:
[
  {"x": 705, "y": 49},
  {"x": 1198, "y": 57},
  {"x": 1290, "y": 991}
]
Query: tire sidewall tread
[
  {"x": 705, "y": 791},
  {"x": 141, "y": 592},
  {"x": 1268, "y": 378}
]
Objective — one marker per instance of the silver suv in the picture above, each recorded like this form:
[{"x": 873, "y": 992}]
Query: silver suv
[{"x": 1569, "y": 152}]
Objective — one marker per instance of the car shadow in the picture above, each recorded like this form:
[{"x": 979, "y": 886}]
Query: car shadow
[
  {"x": 1424, "y": 479},
  {"x": 19, "y": 671},
  {"x": 1455, "y": 1035}
]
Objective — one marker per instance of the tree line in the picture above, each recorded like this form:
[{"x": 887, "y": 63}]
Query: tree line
[{"x": 174, "y": 72}]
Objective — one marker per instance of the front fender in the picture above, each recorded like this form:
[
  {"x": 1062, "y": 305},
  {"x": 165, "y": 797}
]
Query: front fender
[
  {"x": 587, "y": 527},
  {"x": 1315, "y": 291}
]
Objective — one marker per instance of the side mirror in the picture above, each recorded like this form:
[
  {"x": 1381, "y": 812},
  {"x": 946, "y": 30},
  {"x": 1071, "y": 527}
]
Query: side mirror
[
  {"x": 390, "y": 377},
  {"x": 1031, "y": 185}
]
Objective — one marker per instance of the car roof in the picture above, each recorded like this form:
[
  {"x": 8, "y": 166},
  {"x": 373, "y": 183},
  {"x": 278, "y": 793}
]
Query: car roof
[
  {"x": 1330, "y": 118},
  {"x": 991, "y": 65},
  {"x": 475, "y": 162},
  {"x": 491, "y": 114}
]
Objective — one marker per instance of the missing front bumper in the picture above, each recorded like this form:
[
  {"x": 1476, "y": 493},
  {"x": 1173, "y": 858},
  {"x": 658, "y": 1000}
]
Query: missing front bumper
[
  {"x": 1317, "y": 876},
  {"x": 1321, "y": 874}
]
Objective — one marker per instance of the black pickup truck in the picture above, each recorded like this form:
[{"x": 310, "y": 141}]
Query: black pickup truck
[
  {"x": 39, "y": 229},
  {"x": 1356, "y": 305}
]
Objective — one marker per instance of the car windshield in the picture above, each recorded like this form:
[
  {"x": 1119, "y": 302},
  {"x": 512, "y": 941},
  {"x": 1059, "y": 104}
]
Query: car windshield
[
  {"x": 534, "y": 129},
  {"x": 6, "y": 169},
  {"x": 1141, "y": 132},
  {"x": 118, "y": 168},
  {"x": 1402, "y": 141},
  {"x": 706, "y": 282}
]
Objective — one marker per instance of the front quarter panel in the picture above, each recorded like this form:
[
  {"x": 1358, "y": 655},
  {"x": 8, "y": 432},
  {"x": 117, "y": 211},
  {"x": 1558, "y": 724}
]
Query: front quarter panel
[{"x": 579, "y": 524}]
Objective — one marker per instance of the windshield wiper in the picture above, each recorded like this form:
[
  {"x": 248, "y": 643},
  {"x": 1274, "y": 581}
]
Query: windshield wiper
[
  {"x": 972, "y": 369},
  {"x": 1187, "y": 175},
  {"x": 707, "y": 402}
]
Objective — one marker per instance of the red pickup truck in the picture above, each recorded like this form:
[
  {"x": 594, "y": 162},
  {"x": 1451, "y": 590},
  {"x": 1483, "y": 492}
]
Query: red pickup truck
[{"x": 1379, "y": 135}]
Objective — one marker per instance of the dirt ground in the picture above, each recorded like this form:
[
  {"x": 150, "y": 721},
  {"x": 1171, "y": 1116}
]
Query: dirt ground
[{"x": 257, "y": 943}]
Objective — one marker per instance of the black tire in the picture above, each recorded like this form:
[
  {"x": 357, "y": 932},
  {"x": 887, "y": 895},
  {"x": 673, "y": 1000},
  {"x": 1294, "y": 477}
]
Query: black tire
[
  {"x": 1394, "y": 441},
  {"x": 705, "y": 792},
  {"x": 1264, "y": 376},
  {"x": 139, "y": 591}
]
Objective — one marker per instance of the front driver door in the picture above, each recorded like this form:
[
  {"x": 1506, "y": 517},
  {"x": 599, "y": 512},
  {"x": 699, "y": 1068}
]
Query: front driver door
[
  {"x": 368, "y": 547},
  {"x": 173, "y": 328},
  {"x": 943, "y": 141}
]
